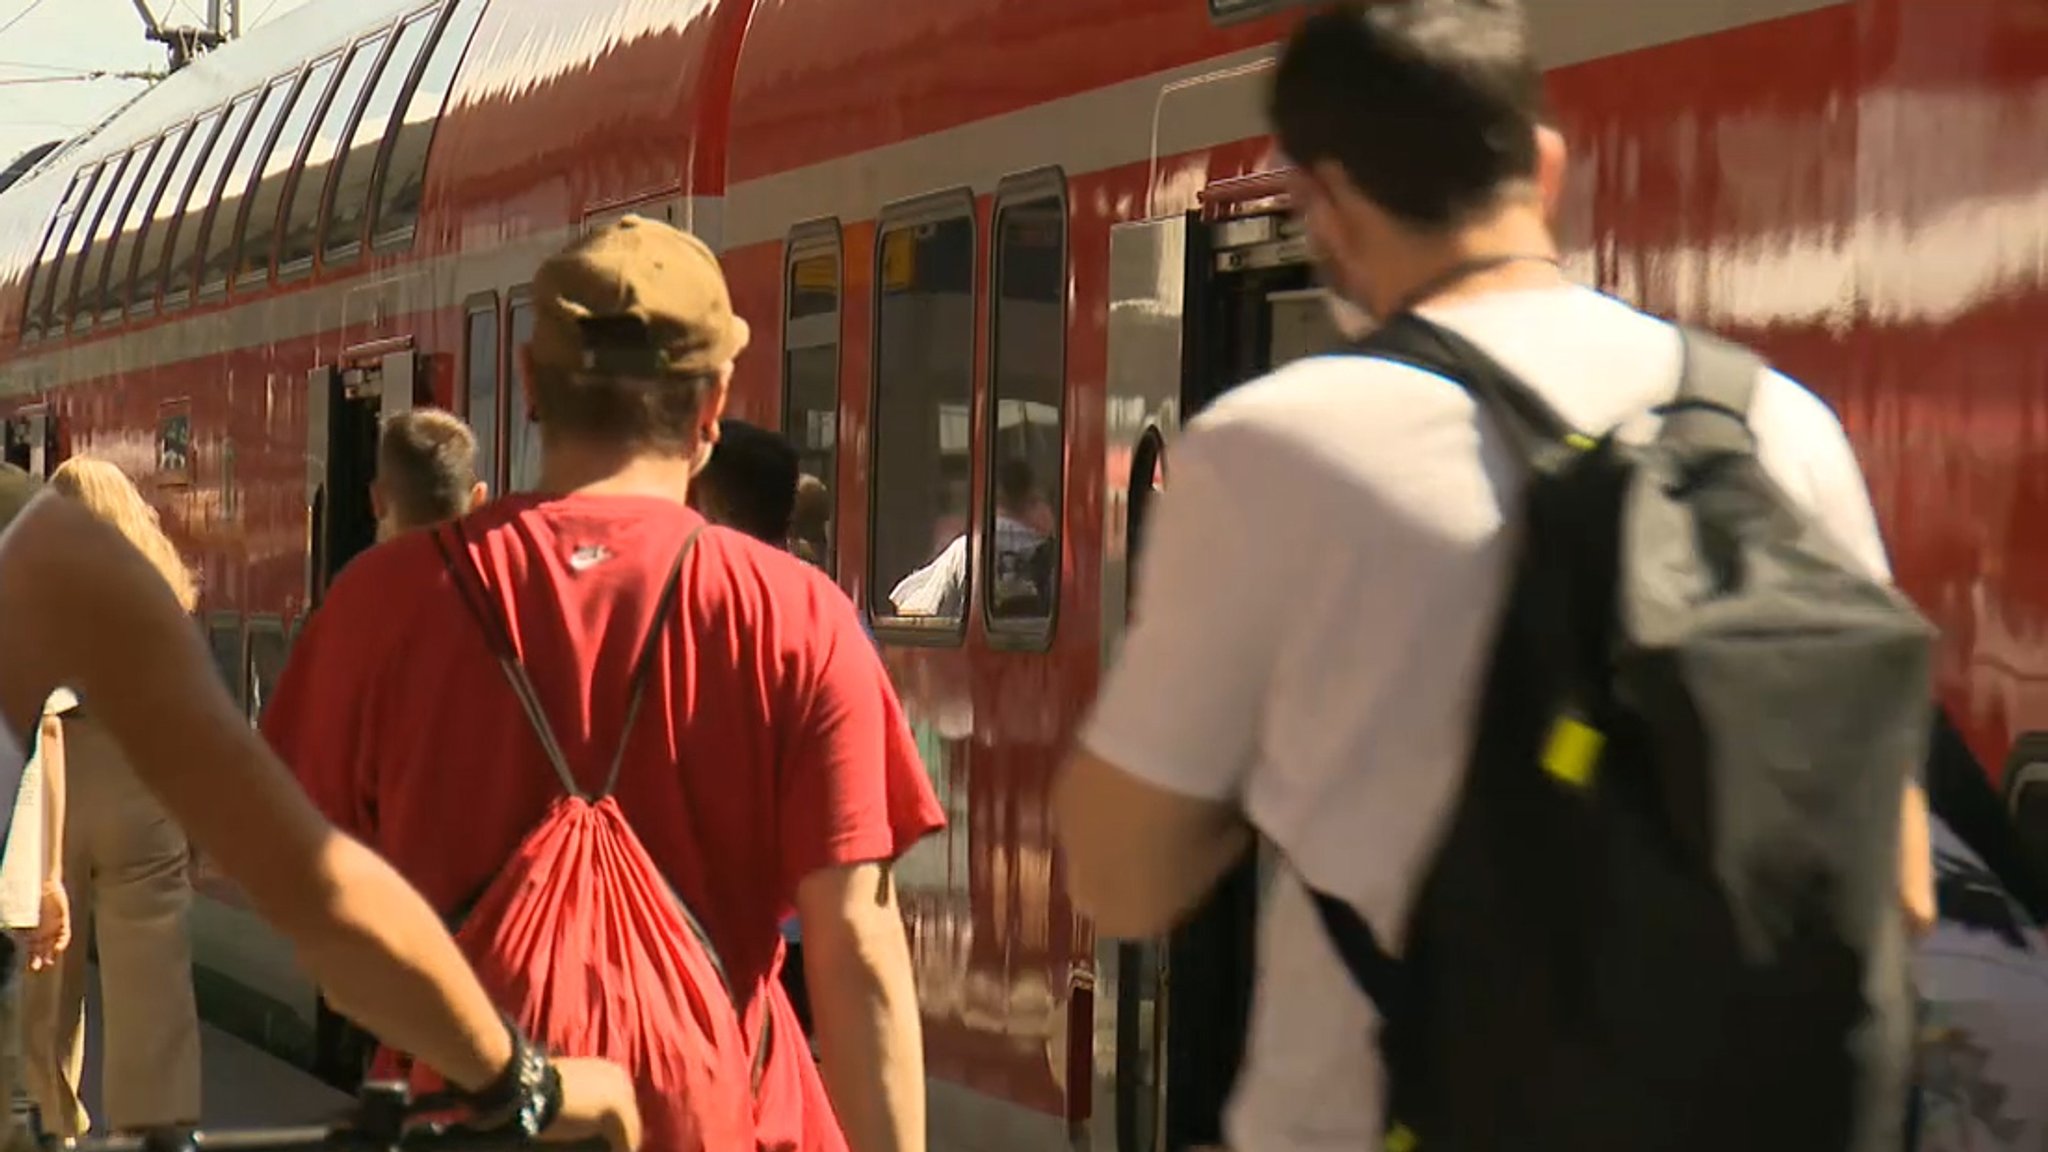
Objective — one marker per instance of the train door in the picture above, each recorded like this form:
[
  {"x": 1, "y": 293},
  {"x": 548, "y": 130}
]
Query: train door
[
  {"x": 1198, "y": 305},
  {"x": 344, "y": 404},
  {"x": 31, "y": 441}
]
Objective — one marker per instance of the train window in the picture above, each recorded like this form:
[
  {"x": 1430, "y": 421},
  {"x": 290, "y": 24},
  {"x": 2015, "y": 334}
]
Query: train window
[
  {"x": 259, "y": 223},
  {"x": 268, "y": 647},
  {"x": 209, "y": 214},
  {"x": 54, "y": 238},
  {"x": 402, "y": 178},
  {"x": 923, "y": 386},
  {"x": 137, "y": 251},
  {"x": 522, "y": 435},
  {"x": 93, "y": 231},
  {"x": 480, "y": 385},
  {"x": 301, "y": 231},
  {"x": 810, "y": 380},
  {"x": 143, "y": 173},
  {"x": 224, "y": 637},
  {"x": 1231, "y": 11},
  {"x": 1028, "y": 377},
  {"x": 342, "y": 236}
]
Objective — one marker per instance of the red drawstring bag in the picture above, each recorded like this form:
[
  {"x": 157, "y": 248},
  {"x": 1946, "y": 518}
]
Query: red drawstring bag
[{"x": 591, "y": 950}]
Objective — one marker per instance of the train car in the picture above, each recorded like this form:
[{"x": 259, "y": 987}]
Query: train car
[{"x": 994, "y": 252}]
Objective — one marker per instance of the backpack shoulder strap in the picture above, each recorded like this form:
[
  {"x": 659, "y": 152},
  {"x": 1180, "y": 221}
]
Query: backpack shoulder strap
[
  {"x": 1537, "y": 433},
  {"x": 1376, "y": 973},
  {"x": 1716, "y": 384}
]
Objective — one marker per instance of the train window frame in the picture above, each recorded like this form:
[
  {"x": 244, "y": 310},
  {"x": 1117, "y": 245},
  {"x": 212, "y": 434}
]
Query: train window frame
[
  {"x": 929, "y": 209},
  {"x": 511, "y": 380},
  {"x": 218, "y": 625},
  {"x": 93, "y": 311},
  {"x": 808, "y": 241},
  {"x": 181, "y": 216},
  {"x": 1033, "y": 632},
  {"x": 46, "y": 311},
  {"x": 255, "y": 692},
  {"x": 476, "y": 307},
  {"x": 378, "y": 45},
  {"x": 121, "y": 297},
  {"x": 242, "y": 276},
  {"x": 392, "y": 239},
  {"x": 74, "y": 273},
  {"x": 208, "y": 217},
  {"x": 401, "y": 74},
  {"x": 65, "y": 211}
]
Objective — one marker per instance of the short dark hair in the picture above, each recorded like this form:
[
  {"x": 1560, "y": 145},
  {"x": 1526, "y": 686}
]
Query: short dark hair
[
  {"x": 752, "y": 474},
  {"x": 426, "y": 464},
  {"x": 1429, "y": 106}
]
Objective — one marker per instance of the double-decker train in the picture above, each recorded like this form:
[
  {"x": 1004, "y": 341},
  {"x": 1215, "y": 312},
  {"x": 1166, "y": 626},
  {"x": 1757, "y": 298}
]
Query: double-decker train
[{"x": 993, "y": 251}]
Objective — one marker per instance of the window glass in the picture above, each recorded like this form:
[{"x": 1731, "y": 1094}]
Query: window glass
[
  {"x": 1028, "y": 383},
  {"x": 522, "y": 435},
  {"x": 810, "y": 405},
  {"x": 302, "y": 218},
  {"x": 142, "y": 236},
  {"x": 234, "y": 173},
  {"x": 481, "y": 390},
  {"x": 404, "y": 178},
  {"x": 206, "y": 201},
  {"x": 224, "y": 636},
  {"x": 54, "y": 238},
  {"x": 355, "y": 167},
  {"x": 266, "y": 192},
  {"x": 145, "y": 169},
  {"x": 924, "y": 380},
  {"x": 268, "y": 647},
  {"x": 93, "y": 230}
]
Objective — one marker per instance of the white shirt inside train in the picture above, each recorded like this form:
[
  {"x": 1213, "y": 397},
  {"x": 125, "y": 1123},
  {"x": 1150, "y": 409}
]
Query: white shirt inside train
[{"x": 1314, "y": 611}]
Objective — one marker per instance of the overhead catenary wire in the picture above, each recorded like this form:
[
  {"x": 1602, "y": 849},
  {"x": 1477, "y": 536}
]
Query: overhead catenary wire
[{"x": 23, "y": 14}]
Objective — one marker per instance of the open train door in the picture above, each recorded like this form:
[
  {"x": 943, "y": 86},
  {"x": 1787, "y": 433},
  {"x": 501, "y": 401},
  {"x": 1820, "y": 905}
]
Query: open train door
[
  {"x": 1197, "y": 305},
  {"x": 344, "y": 405}
]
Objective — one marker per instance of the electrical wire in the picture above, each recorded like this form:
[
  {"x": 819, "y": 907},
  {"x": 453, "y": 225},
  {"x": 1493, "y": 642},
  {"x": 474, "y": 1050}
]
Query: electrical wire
[{"x": 23, "y": 14}]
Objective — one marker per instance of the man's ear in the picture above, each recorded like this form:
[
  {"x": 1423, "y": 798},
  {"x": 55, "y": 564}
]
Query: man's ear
[
  {"x": 1551, "y": 161},
  {"x": 478, "y": 493},
  {"x": 526, "y": 374},
  {"x": 376, "y": 500}
]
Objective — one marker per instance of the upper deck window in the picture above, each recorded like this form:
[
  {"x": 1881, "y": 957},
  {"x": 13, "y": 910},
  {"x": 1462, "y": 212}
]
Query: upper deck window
[
  {"x": 170, "y": 160},
  {"x": 166, "y": 220},
  {"x": 205, "y": 209},
  {"x": 230, "y": 193},
  {"x": 923, "y": 390},
  {"x": 92, "y": 231},
  {"x": 144, "y": 170},
  {"x": 301, "y": 229},
  {"x": 43, "y": 271},
  {"x": 1230, "y": 11},
  {"x": 342, "y": 237},
  {"x": 260, "y": 213},
  {"x": 401, "y": 182}
]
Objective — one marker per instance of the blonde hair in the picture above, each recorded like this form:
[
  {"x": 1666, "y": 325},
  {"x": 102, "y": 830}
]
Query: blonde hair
[{"x": 107, "y": 492}]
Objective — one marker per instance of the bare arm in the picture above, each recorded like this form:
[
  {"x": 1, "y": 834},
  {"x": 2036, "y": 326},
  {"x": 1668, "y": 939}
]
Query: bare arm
[
  {"x": 52, "y": 745},
  {"x": 1139, "y": 857},
  {"x": 858, "y": 964},
  {"x": 74, "y": 592},
  {"x": 1916, "y": 862}
]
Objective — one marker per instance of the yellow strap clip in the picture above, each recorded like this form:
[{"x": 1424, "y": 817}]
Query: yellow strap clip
[{"x": 1572, "y": 751}]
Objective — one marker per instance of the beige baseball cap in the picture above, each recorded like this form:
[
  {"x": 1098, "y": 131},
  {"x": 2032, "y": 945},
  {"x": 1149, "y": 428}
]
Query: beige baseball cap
[{"x": 635, "y": 298}]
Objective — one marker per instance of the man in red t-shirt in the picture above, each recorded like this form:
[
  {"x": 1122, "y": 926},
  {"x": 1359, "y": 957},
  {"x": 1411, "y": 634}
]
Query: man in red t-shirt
[{"x": 790, "y": 779}]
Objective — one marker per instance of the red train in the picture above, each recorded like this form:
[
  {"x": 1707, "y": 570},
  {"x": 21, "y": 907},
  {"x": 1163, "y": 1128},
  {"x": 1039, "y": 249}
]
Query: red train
[{"x": 993, "y": 250}]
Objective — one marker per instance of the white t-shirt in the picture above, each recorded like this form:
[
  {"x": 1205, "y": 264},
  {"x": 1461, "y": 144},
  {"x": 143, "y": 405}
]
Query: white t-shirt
[{"x": 1313, "y": 616}]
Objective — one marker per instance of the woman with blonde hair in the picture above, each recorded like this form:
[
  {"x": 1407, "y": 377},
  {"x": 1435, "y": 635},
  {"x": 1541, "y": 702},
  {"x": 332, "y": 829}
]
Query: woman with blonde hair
[{"x": 126, "y": 875}]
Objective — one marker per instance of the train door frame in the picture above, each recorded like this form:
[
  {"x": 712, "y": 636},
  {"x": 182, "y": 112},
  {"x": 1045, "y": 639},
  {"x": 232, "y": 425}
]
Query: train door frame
[
  {"x": 346, "y": 401},
  {"x": 1193, "y": 303},
  {"x": 34, "y": 429}
]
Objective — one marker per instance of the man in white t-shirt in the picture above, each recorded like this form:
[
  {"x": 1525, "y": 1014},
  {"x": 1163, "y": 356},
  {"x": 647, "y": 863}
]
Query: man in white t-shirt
[{"x": 1320, "y": 587}]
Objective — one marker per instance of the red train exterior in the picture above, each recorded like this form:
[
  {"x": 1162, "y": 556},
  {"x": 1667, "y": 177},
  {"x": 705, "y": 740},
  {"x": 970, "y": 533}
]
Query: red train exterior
[{"x": 973, "y": 232}]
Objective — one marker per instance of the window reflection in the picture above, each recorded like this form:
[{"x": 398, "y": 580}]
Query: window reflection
[{"x": 1029, "y": 386}]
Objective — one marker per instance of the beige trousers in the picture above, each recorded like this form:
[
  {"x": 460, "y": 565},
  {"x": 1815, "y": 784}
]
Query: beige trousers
[{"x": 126, "y": 869}]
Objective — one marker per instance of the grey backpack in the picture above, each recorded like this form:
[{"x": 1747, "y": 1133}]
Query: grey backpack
[{"x": 1664, "y": 917}]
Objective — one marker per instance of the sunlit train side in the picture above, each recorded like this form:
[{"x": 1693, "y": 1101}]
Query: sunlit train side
[{"x": 992, "y": 247}]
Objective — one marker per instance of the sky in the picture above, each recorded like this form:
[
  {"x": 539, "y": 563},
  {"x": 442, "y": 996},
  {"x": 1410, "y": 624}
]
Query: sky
[{"x": 44, "y": 39}]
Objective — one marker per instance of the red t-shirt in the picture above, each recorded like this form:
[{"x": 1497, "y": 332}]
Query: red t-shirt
[{"x": 788, "y": 750}]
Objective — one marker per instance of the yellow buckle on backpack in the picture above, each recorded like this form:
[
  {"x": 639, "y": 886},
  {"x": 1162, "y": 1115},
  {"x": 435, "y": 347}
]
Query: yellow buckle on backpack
[
  {"x": 1401, "y": 1138},
  {"x": 1572, "y": 751}
]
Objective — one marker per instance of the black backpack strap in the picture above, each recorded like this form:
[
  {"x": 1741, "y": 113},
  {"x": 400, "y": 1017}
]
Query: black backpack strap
[
  {"x": 1377, "y": 974},
  {"x": 1540, "y": 437},
  {"x": 1717, "y": 382}
]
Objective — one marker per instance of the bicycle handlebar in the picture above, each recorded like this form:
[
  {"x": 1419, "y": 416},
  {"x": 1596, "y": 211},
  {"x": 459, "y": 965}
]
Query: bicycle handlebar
[
  {"x": 381, "y": 1122},
  {"x": 337, "y": 1139}
]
